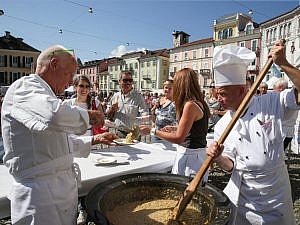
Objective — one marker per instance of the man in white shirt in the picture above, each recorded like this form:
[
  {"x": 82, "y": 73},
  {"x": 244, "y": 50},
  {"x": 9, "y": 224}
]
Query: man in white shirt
[
  {"x": 259, "y": 186},
  {"x": 38, "y": 149},
  {"x": 126, "y": 105},
  {"x": 288, "y": 125}
]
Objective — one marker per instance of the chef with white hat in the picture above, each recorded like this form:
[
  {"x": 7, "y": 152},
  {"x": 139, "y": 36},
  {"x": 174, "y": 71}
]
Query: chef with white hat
[{"x": 259, "y": 186}]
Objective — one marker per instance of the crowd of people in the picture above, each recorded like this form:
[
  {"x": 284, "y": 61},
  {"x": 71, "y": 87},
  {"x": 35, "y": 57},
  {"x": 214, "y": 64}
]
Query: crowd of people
[{"x": 42, "y": 133}]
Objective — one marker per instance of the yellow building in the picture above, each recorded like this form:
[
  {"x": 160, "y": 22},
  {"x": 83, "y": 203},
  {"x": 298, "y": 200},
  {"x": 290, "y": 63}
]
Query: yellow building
[
  {"x": 230, "y": 26},
  {"x": 17, "y": 59},
  {"x": 149, "y": 69},
  {"x": 154, "y": 69}
]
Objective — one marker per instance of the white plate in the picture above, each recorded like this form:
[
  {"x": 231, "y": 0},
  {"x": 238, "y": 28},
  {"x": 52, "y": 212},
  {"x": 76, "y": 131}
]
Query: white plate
[
  {"x": 122, "y": 141},
  {"x": 105, "y": 160}
]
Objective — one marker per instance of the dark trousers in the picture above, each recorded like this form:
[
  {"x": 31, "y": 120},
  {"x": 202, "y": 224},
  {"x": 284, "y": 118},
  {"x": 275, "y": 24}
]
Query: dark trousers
[{"x": 286, "y": 142}]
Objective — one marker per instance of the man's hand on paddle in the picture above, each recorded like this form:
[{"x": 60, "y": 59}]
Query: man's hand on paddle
[{"x": 214, "y": 150}]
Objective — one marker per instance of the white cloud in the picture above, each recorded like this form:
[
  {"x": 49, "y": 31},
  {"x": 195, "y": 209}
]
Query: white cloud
[{"x": 121, "y": 50}]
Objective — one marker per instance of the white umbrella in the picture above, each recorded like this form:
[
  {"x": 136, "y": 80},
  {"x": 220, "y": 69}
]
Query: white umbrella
[{"x": 70, "y": 89}]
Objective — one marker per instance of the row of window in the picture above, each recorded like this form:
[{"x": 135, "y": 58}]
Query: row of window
[
  {"x": 186, "y": 55},
  {"x": 7, "y": 78},
  {"x": 15, "y": 61},
  {"x": 226, "y": 33},
  {"x": 253, "y": 46},
  {"x": 132, "y": 66},
  {"x": 283, "y": 32}
]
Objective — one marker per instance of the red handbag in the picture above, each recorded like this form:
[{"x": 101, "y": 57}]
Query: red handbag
[{"x": 97, "y": 129}]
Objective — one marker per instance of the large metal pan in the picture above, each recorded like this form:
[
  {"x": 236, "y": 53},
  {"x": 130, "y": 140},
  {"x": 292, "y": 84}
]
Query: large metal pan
[{"x": 104, "y": 197}]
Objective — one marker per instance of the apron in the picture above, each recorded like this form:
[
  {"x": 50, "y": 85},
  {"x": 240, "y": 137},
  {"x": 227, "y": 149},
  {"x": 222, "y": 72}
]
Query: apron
[
  {"x": 188, "y": 161},
  {"x": 278, "y": 211},
  {"x": 48, "y": 196}
]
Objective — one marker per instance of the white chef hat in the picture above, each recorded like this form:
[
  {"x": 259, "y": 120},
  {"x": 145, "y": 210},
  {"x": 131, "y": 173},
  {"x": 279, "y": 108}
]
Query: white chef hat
[{"x": 230, "y": 65}]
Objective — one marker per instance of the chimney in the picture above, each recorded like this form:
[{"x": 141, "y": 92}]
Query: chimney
[{"x": 7, "y": 34}]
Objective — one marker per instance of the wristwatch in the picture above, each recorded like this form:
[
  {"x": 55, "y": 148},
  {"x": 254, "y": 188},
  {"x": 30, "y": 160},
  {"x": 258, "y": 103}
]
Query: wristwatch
[{"x": 153, "y": 131}]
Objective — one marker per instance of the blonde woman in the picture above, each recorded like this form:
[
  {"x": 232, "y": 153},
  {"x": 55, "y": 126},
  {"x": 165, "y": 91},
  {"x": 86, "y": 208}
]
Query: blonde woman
[{"x": 164, "y": 111}]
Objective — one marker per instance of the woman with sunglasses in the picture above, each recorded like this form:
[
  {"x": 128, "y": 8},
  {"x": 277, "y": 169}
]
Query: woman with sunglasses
[{"x": 83, "y": 97}]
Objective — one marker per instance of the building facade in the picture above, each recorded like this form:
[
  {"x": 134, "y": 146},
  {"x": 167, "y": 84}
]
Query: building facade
[
  {"x": 285, "y": 26},
  {"x": 154, "y": 69},
  {"x": 90, "y": 68},
  {"x": 17, "y": 59},
  {"x": 239, "y": 29},
  {"x": 149, "y": 69},
  {"x": 196, "y": 55}
]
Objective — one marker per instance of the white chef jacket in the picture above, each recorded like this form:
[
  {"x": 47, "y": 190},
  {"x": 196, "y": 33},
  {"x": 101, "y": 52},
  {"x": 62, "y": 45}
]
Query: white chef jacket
[
  {"x": 38, "y": 152},
  {"x": 259, "y": 185}
]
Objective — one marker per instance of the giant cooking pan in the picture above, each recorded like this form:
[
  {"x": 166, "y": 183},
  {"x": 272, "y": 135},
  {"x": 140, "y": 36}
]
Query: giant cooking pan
[{"x": 212, "y": 202}]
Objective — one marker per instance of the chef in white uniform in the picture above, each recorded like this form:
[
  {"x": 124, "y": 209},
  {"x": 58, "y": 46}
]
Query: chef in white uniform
[
  {"x": 259, "y": 186},
  {"x": 38, "y": 150}
]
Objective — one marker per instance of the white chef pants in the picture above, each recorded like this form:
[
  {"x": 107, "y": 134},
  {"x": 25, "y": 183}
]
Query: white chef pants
[{"x": 46, "y": 200}]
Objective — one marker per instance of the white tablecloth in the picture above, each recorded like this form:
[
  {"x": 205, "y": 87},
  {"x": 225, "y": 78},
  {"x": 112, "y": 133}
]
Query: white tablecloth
[{"x": 138, "y": 158}]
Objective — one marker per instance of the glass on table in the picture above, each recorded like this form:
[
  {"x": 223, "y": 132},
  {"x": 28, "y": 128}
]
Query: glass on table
[{"x": 144, "y": 122}]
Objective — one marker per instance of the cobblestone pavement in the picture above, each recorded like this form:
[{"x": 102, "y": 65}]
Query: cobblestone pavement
[{"x": 220, "y": 179}]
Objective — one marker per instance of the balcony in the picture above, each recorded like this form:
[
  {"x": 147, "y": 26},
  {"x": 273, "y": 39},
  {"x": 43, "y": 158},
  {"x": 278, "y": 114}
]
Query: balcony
[
  {"x": 114, "y": 78},
  {"x": 146, "y": 77},
  {"x": 204, "y": 72}
]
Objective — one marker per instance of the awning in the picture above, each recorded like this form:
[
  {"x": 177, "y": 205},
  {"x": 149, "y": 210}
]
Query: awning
[{"x": 70, "y": 89}]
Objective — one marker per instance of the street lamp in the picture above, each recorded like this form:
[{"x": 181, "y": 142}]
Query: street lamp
[
  {"x": 1, "y": 12},
  {"x": 250, "y": 12}
]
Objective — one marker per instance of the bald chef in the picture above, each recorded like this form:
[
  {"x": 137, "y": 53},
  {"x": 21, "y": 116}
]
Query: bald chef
[{"x": 259, "y": 186}]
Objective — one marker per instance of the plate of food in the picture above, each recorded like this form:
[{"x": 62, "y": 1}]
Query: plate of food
[
  {"x": 129, "y": 140},
  {"x": 122, "y": 141},
  {"x": 105, "y": 160}
]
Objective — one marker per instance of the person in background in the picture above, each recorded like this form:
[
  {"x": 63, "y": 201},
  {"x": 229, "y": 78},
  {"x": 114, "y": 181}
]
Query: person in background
[
  {"x": 288, "y": 125},
  {"x": 216, "y": 111},
  {"x": 249, "y": 82},
  {"x": 38, "y": 149},
  {"x": 259, "y": 186},
  {"x": 263, "y": 88},
  {"x": 84, "y": 98},
  {"x": 192, "y": 113},
  {"x": 164, "y": 112},
  {"x": 126, "y": 105},
  {"x": 280, "y": 85}
]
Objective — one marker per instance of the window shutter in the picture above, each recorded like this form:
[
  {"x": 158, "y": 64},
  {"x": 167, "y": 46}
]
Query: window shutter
[{"x": 5, "y": 60}]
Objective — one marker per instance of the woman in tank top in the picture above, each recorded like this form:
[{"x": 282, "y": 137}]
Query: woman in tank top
[{"x": 192, "y": 113}]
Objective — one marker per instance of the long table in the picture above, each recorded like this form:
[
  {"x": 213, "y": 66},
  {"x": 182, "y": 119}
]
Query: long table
[{"x": 137, "y": 158}]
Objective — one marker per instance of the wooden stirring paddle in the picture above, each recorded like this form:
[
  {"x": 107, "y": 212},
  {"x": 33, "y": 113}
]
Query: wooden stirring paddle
[{"x": 192, "y": 187}]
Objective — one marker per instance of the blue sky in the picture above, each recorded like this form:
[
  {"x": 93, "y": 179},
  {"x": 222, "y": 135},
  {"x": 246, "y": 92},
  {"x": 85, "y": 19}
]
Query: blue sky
[{"x": 119, "y": 26}]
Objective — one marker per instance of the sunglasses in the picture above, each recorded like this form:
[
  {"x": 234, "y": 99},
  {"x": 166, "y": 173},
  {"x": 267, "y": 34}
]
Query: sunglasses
[
  {"x": 127, "y": 80},
  {"x": 83, "y": 86}
]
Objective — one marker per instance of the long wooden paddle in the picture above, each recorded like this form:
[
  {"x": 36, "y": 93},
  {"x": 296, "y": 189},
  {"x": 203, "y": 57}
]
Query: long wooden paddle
[{"x": 192, "y": 187}]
